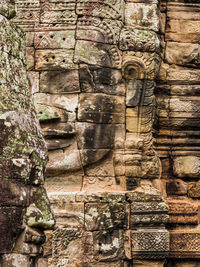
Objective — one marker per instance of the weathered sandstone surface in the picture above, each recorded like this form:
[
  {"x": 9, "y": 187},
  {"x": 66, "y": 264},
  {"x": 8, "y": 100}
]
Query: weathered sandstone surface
[{"x": 116, "y": 89}]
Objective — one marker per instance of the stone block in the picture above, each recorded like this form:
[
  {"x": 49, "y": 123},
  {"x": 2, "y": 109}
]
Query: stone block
[
  {"x": 95, "y": 79},
  {"x": 143, "y": 194},
  {"x": 132, "y": 183},
  {"x": 59, "y": 12},
  {"x": 27, "y": 17},
  {"x": 101, "y": 108},
  {"x": 59, "y": 82},
  {"x": 64, "y": 262},
  {"x": 183, "y": 7},
  {"x": 27, "y": 4},
  {"x": 133, "y": 92},
  {"x": 64, "y": 181},
  {"x": 184, "y": 244},
  {"x": 107, "y": 184},
  {"x": 182, "y": 212},
  {"x": 184, "y": 54},
  {"x": 142, "y": 16},
  {"x": 23, "y": 245},
  {"x": 61, "y": 143},
  {"x": 183, "y": 13},
  {"x": 67, "y": 17},
  {"x": 194, "y": 190},
  {"x": 95, "y": 136},
  {"x": 29, "y": 38},
  {"x": 186, "y": 167},
  {"x": 99, "y": 54},
  {"x": 135, "y": 124},
  {"x": 132, "y": 120},
  {"x": 108, "y": 246},
  {"x": 145, "y": 1},
  {"x": 70, "y": 244},
  {"x": 56, "y": 106},
  {"x": 105, "y": 216},
  {"x": 112, "y": 264},
  {"x": 162, "y": 22},
  {"x": 91, "y": 156},
  {"x": 105, "y": 170},
  {"x": 184, "y": 105},
  {"x": 20, "y": 169},
  {"x": 53, "y": 39},
  {"x": 46, "y": 113},
  {"x": 184, "y": 90},
  {"x": 60, "y": 130},
  {"x": 150, "y": 243},
  {"x": 185, "y": 31},
  {"x": 57, "y": 59},
  {"x": 101, "y": 9},
  {"x": 61, "y": 161},
  {"x": 61, "y": 199},
  {"x": 134, "y": 39},
  {"x": 38, "y": 214},
  {"x": 67, "y": 242},
  {"x": 98, "y": 30},
  {"x": 72, "y": 215},
  {"x": 55, "y": 5},
  {"x": 127, "y": 246},
  {"x": 183, "y": 76},
  {"x": 176, "y": 187},
  {"x": 152, "y": 213}
]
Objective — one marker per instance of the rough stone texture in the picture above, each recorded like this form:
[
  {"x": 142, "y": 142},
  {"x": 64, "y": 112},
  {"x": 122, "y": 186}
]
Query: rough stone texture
[
  {"x": 178, "y": 127},
  {"x": 110, "y": 78},
  {"x": 24, "y": 206}
]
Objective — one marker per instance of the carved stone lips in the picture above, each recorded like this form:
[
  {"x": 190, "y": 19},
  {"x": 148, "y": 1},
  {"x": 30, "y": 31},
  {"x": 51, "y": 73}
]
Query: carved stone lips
[
  {"x": 58, "y": 130},
  {"x": 59, "y": 135}
]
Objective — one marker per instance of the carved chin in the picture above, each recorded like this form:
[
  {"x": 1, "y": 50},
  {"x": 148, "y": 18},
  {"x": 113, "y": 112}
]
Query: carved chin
[{"x": 73, "y": 160}]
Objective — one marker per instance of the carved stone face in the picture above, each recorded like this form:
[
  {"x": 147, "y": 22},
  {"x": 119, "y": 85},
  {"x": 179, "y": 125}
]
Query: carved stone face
[
  {"x": 23, "y": 199},
  {"x": 23, "y": 157},
  {"x": 79, "y": 137},
  {"x": 92, "y": 66},
  {"x": 81, "y": 105},
  {"x": 92, "y": 86}
]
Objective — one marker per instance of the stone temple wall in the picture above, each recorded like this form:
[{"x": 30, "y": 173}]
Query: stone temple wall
[
  {"x": 115, "y": 87},
  {"x": 177, "y": 95}
]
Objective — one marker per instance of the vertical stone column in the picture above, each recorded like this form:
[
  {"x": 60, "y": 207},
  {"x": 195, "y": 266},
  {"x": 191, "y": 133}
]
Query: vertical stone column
[
  {"x": 24, "y": 206},
  {"x": 178, "y": 135},
  {"x": 141, "y": 63}
]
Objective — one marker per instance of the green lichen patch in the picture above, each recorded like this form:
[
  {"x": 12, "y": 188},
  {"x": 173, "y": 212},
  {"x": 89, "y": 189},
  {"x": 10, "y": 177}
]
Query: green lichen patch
[{"x": 39, "y": 213}]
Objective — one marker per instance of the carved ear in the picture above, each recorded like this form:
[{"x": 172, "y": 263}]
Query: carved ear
[
  {"x": 133, "y": 69},
  {"x": 140, "y": 65}
]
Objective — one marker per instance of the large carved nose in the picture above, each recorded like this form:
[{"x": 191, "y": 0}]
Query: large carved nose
[{"x": 39, "y": 214}]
